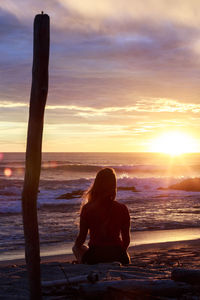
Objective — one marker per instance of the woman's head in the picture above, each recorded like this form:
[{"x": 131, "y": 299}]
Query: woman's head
[{"x": 104, "y": 187}]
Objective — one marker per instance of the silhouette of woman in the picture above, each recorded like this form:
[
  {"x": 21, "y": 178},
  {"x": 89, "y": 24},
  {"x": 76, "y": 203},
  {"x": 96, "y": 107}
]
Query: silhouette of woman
[{"x": 107, "y": 221}]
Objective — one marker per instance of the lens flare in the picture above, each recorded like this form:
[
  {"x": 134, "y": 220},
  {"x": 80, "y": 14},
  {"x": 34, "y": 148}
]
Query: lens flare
[
  {"x": 20, "y": 171},
  {"x": 7, "y": 172}
]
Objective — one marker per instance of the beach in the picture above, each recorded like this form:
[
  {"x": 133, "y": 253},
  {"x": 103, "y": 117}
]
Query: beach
[
  {"x": 100, "y": 148},
  {"x": 155, "y": 260},
  {"x": 142, "y": 181},
  {"x": 165, "y": 229}
]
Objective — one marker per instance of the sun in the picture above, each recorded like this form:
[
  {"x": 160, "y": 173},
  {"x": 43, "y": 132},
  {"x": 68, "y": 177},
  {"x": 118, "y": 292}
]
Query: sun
[{"x": 174, "y": 143}]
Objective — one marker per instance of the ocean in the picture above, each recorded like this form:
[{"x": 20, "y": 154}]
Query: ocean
[{"x": 140, "y": 177}]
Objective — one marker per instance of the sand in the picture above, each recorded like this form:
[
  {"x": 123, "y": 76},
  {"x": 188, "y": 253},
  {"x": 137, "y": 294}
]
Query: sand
[{"x": 156, "y": 260}]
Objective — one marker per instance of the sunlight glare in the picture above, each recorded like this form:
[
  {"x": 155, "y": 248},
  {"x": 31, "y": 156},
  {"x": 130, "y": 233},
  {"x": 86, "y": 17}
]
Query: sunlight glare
[{"x": 174, "y": 143}]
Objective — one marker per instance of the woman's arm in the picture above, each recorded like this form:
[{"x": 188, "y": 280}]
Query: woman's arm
[
  {"x": 125, "y": 233},
  {"x": 79, "y": 249},
  {"x": 125, "y": 229},
  {"x": 82, "y": 234}
]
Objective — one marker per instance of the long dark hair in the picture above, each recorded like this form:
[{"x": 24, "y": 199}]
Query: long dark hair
[{"x": 104, "y": 187}]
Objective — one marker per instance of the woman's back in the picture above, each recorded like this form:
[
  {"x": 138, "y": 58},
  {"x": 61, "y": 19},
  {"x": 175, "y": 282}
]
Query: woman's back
[{"x": 105, "y": 222}]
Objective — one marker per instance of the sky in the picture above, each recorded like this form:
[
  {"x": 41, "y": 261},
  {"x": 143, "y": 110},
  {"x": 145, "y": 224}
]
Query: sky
[{"x": 122, "y": 73}]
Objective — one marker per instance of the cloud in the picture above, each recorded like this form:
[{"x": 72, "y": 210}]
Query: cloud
[
  {"x": 112, "y": 63},
  {"x": 9, "y": 104},
  {"x": 144, "y": 105},
  {"x": 105, "y": 59},
  {"x": 166, "y": 105},
  {"x": 180, "y": 11},
  {"x": 74, "y": 113}
]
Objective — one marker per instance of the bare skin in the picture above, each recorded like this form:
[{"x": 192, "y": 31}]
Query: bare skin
[
  {"x": 79, "y": 248},
  {"x": 79, "y": 252}
]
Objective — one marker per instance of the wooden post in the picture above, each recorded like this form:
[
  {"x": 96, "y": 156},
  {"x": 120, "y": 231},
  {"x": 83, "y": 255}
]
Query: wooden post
[{"x": 38, "y": 98}]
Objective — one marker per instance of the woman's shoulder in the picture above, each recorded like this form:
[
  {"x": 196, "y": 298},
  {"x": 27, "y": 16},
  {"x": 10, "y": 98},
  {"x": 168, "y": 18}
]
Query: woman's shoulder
[
  {"x": 86, "y": 207},
  {"x": 121, "y": 208},
  {"x": 120, "y": 205},
  {"x": 89, "y": 206}
]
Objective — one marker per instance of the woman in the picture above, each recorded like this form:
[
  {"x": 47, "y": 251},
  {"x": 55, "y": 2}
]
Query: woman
[{"x": 107, "y": 221}]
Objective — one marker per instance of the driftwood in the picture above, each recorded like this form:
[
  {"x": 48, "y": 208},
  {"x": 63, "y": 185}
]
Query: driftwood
[
  {"x": 38, "y": 97},
  {"x": 70, "y": 280},
  {"x": 86, "y": 278},
  {"x": 165, "y": 288},
  {"x": 155, "y": 269},
  {"x": 120, "y": 282},
  {"x": 126, "y": 275},
  {"x": 146, "y": 273},
  {"x": 186, "y": 275}
]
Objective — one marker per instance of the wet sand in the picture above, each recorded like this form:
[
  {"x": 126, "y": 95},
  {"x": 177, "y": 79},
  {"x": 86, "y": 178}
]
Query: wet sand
[{"x": 138, "y": 238}]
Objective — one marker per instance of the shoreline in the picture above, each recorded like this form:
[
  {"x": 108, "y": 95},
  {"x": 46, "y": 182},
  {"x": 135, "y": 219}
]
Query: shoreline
[
  {"x": 152, "y": 247},
  {"x": 139, "y": 240}
]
